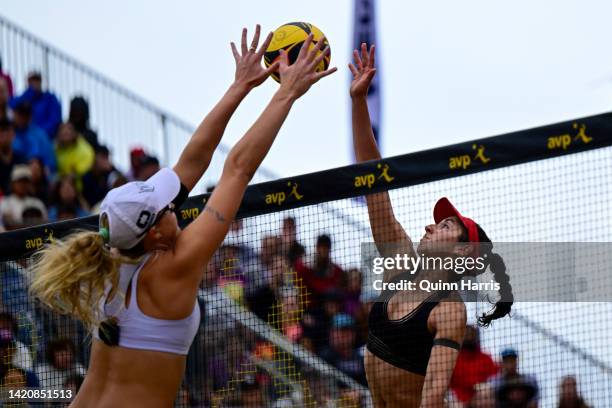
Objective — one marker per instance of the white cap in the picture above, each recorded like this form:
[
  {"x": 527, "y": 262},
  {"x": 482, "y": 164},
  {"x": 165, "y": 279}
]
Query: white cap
[{"x": 132, "y": 208}]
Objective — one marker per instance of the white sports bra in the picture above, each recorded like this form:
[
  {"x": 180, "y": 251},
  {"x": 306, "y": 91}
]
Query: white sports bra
[{"x": 139, "y": 331}]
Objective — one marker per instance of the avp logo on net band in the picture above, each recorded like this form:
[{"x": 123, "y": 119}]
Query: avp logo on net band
[
  {"x": 565, "y": 140},
  {"x": 369, "y": 179},
  {"x": 280, "y": 196},
  {"x": 464, "y": 161},
  {"x": 37, "y": 242}
]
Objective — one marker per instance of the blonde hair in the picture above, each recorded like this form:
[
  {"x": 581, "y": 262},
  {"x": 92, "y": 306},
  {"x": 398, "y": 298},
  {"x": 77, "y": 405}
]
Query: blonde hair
[{"x": 70, "y": 276}]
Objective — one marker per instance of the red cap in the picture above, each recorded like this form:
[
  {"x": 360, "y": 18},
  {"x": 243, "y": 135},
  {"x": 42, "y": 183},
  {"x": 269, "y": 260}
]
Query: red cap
[
  {"x": 444, "y": 209},
  {"x": 137, "y": 151}
]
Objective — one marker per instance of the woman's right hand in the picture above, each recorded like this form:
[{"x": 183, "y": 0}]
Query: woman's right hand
[
  {"x": 363, "y": 71},
  {"x": 298, "y": 77}
]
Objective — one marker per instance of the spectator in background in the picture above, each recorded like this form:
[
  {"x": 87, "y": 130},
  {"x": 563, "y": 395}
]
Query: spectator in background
[
  {"x": 484, "y": 396},
  {"x": 46, "y": 108},
  {"x": 4, "y": 99},
  {"x": 32, "y": 216},
  {"x": 96, "y": 180},
  {"x": 569, "y": 397},
  {"x": 149, "y": 165},
  {"x": 61, "y": 364},
  {"x": 74, "y": 155},
  {"x": 322, "y": 274},
  {"x": 40, "y": 180},
  {"x": 270, "y": 247},
  {"x": 8, "y": 157},
  {"x": 263, "y": 301},
  {"x": 13, "y": 206},
  {"x": 9, "y": 329},
  {"x": 73, "y": 383},
  {"x": 30, "y": 140},
  {"x": 136, "y": 155},
  {"x": 513, "y": 389},
  {"x": 251, "y": 393},
  {"x": 231, "y": 275},
  {"x": 352, "y": 282},
  {"x": 342, "y": 352},
  {"x": 473, "y": 366},
  {"x": 5, "y": 77},
  {"x": 318, "y": 320},
  {"x": 79, "y": 118},
  {"x": 65, "y": 196},
  {"x": 237, "y": 237},
  {"x": 290, "y": 247}
]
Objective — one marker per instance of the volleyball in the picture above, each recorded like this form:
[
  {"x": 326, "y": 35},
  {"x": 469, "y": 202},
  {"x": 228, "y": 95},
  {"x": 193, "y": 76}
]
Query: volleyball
[{"x": 290, "y": 37}]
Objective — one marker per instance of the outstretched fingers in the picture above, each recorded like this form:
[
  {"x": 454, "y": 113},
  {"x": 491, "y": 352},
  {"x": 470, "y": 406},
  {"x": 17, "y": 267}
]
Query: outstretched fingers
[
  {"x": 322, "y": 74},
  {"x": 320, "y": 57},
  {"x": 255, "y": 41},
  {"x": 305, "y": 46},
  {"x": 265, "y": 44},
  {"x": 372, "y": 55},
  {"x": 365, "y": 58},
  {"x": 316, "y": 49},
  {"x": 243, "y": 41},
  {"x": 357, "y": 58},
  {"x": 235, "y": 52},
  {"x": 284, "y": 58},
  {"x": 272, "y": 68}
]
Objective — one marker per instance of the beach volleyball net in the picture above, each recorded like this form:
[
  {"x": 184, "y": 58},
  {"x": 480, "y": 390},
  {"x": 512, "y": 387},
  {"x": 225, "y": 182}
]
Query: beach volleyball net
[{"x": 286, "y": 298}]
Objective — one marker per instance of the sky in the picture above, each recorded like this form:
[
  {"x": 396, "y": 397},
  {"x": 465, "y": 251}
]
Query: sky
[{"x": 450, "y": 71}]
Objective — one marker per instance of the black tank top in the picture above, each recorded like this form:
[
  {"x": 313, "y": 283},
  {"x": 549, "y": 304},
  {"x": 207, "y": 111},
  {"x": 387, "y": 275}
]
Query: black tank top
[{"x": 405, "y": 343}]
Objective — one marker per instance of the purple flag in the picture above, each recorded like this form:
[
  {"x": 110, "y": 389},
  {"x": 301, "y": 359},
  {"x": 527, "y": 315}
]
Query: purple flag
[{"x": 364, "y": 30}]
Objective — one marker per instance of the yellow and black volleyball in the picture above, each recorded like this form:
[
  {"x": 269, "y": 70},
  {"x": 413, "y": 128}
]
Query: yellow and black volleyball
[{"x": 290, "y": 37}]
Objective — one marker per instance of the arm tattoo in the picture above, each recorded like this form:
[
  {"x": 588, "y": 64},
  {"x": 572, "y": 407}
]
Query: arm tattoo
[{"x": 216, "y": 213}]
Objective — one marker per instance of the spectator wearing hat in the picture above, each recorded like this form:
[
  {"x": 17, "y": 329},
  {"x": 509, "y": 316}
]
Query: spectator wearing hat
[
  {"x": 342, "y": 352},
  {"x": 79, "y": 118},
  {"x": 473, "y": 366},
  {"x": 46, "y": 109},
  {"x": 8, "y": 157},
  {"x": 513, "y": 389},
  {"x": 6, "y": 78},
  {"x": 13, "y": 206},
  {"x": 136, "y": 156},
  {"x": 30, "y": 140}
]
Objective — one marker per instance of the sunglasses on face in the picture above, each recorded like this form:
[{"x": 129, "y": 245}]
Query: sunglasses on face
[{"x": 169, "y": 207}]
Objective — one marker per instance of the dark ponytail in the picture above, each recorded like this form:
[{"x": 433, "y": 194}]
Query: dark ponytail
[{"x": 504, "y": 304}]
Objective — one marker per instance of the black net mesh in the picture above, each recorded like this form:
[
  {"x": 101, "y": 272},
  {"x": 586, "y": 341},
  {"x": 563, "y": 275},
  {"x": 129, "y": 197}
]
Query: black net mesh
[{"x": 285, "y": 325}]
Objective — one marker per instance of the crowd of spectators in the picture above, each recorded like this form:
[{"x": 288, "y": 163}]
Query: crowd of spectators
[{"x": 54, "y": 168}]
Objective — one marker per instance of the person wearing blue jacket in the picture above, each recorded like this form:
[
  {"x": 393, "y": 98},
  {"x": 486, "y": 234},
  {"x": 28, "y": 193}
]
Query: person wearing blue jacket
[
  {"x": 46, "y": 108},
  {"x": 30, "y": 140}
]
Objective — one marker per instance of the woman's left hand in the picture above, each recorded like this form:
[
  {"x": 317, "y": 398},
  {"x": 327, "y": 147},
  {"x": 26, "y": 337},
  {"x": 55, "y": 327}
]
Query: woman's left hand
[{"x": 249, "y": 71}]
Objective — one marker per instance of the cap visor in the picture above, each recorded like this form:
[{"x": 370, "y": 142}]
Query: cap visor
[
  {"x": 167, "y": 186},
  {"x": 444, "y": 209}
]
